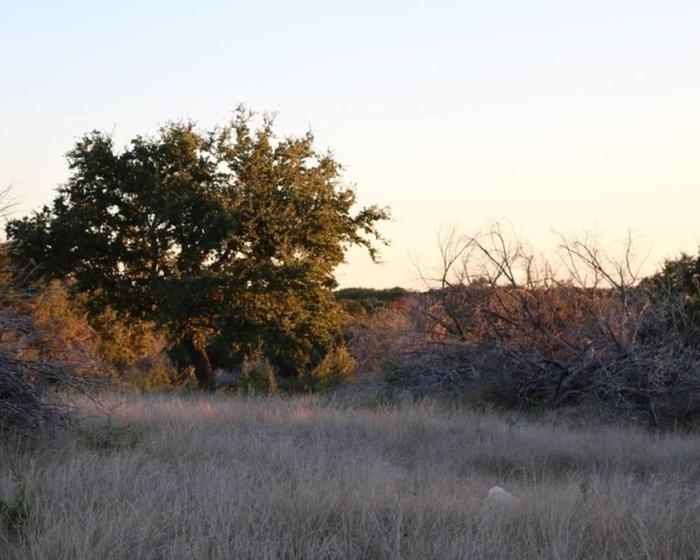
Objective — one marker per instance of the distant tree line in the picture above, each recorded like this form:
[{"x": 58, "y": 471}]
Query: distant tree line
[{"x": 359, "y": 301}]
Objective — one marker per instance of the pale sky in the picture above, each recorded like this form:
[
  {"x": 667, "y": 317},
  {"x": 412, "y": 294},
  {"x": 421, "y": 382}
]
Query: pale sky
[{"x": 551, "y": 115}]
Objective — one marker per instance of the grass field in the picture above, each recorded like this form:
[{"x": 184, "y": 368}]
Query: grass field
[{"x": 216, "y": 477}]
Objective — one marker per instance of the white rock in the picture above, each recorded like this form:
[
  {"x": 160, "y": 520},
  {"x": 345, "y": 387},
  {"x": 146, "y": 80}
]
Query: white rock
[{"x": 498, "y": 495}]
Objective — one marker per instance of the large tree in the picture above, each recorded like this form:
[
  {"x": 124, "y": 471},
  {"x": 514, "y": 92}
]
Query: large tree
[{"x": 228, "y": 238}]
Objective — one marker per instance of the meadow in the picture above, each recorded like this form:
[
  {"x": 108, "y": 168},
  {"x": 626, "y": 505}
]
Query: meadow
[{"x": 214, "y": 476}]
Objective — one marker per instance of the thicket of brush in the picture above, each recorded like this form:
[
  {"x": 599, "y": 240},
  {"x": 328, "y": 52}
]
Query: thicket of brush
[
  {"x": 26, "y": 401},
  {"x": 36, "y": 367},
  {"x": 500, "y": 326}
]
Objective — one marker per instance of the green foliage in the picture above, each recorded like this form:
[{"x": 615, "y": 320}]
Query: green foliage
[
  {"x": 109, "y": 437},
  {"x": 585, "y": 487},
  {"x": 678, "y": 283},
  {"x": 336, "y": 368},
  {"x": 16, "y": 512},
  {"x": 157, "y": 375},
  {"x": 682, "y": 276},
  {"x": 383, "y": 399},
  {"x": 225, "y": 238},
  {"x": 258, "y": 376},
  {"x": 125, "y": 342},
  {"x": 135, "y": 351}
]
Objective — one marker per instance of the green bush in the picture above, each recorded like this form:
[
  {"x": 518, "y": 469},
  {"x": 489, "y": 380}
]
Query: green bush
[
  {"x": 15, "y": 512},
  {"x": 125, "y": 342},
  {"x": 383, "y": 399},
  {"x": 110, "y": 437},
  {"x": 258, "y": 375},
  {"x": 157, "y": 378},
  {"x": 336, "y": 368}
]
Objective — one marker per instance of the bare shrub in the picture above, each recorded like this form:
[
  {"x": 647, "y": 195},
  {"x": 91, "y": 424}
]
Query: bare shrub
[
  {"x": 372, "y": 339},
  {"x": 500, "y": 322},
  {"x": 28, "y": 400}
]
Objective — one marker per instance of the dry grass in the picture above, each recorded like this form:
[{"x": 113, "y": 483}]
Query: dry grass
[{"x": 216, "y": 477}]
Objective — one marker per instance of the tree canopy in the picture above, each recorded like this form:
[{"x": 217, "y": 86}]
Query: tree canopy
[{"x": 228, "y": 238}]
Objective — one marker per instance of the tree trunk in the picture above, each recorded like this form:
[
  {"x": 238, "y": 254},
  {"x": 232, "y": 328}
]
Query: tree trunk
[{"x": 200, "y": 359}]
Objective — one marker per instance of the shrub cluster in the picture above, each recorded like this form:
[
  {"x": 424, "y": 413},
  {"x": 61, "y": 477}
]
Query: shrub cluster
[
  {"x": 32, "y": 367},
  {"x": 501, "y": 327}
]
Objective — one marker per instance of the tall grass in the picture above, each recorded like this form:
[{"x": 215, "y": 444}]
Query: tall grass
[{"x": 215, "y": 477}]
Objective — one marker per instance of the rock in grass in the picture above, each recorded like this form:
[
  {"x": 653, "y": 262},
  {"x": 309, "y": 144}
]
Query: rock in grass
[{"x": 498, "y": 495}]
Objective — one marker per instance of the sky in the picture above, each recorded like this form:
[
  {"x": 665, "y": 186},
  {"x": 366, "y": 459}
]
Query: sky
[{"x": 564, "y": 116}]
